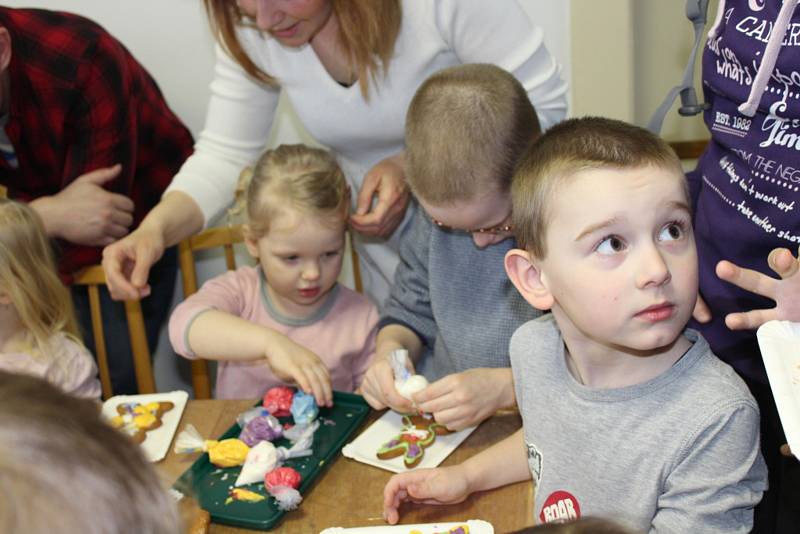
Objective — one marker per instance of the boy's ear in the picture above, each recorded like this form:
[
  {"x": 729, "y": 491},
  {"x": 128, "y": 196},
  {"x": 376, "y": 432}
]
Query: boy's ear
[
  {"x": 5, "y": 298},
  {"x": 527, "y": 278},
  {"x": 249, "y": 241}
]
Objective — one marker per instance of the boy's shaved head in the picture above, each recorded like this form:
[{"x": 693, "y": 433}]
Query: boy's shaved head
[{"x": 465, "y": 129}]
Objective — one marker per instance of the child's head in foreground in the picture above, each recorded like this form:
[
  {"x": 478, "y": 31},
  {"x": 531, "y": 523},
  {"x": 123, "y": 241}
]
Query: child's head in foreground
[
  {"x": 297, "y": 206},
  {"x": 31, "y": 293},
  {"x": 62, "y": 469},
  {"x": 602, "y": 218},
  {"x": 584, "y": 525},
  {"x": 465, "y": 129}
]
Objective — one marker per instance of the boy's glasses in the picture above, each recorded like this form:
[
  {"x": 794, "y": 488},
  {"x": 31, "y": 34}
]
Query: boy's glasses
[{"x": 493, "y": 230}]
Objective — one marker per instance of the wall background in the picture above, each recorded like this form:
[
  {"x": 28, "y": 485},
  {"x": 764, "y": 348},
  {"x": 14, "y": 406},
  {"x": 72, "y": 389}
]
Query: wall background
[{"x": 619, "y": 56}]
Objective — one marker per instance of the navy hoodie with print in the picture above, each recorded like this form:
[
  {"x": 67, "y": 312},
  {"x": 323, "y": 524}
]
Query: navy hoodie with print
[{"x": 746, "y": 188}]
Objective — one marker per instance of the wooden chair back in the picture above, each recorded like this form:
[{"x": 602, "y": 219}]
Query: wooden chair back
[
  {"x": 93, "y": 277},
  {"x": 225, "y": 237}
]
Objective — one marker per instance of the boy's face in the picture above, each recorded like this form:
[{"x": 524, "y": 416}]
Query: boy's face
[
  {"x": 301, "y": 256},
  {"x": 487, "y": 218},
  {"x": 621, "y": 265}
]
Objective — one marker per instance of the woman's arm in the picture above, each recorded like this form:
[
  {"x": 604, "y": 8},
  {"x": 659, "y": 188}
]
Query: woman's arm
[
  {"x": 127, "y": 262},
  {"x": 504, "y": 35},
  {"x": 238, "y": 120}
]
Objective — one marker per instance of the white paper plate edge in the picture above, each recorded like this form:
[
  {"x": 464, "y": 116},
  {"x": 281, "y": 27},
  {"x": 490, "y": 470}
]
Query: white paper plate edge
[{"x": 779, "y": 341}]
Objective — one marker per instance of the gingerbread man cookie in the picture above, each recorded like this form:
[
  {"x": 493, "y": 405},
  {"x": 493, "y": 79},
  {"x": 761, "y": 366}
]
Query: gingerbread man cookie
[
  {"x": 137, "y": 419},
  {"x": 418, "y": 433}
]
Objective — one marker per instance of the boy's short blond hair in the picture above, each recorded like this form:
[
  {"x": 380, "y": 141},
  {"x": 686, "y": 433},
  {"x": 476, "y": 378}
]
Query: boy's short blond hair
[
  {"x": 465, "y": 128},
  {"x": 570, "y": 147}
]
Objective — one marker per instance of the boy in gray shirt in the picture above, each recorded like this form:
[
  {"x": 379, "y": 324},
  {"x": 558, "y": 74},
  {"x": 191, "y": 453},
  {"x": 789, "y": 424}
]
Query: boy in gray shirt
[{"x": 626, "y": 413}]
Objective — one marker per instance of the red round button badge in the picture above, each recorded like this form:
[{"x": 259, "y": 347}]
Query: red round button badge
[{"x": 560, "y": 506}]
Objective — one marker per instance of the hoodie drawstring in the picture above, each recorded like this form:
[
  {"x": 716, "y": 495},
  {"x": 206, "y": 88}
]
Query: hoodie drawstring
[
  {"x": 770, "y": 56},
  {"x": 714, "y": 29}
]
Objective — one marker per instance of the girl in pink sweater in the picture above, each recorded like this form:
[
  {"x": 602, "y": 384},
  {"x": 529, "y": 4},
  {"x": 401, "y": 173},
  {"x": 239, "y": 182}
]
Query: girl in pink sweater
[
  {"x": 287, "y": 320},
  {"x": 38, "y": 332}
]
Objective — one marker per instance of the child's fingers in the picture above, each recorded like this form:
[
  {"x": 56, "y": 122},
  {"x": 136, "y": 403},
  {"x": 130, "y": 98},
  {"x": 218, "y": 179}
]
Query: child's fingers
[
  {"x": 454, "y": 418},
  {"x": 316, "y": 383},
  {"x": 385, "y": 380},
  {"x": 747, "y": 279},
  {"x": 302, "y": 380},
  {"x": 783, "y": 263},
  {"x": 324, "y": 379},
  {"x": 393, "y": 494},
  {"x": 749, "y": 320},
  {"x": 436, "y": 397},
  {"x": 368, "y": 390}
]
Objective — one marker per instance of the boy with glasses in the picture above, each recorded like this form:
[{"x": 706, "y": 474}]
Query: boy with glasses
[{"x": 452, "y": 306}]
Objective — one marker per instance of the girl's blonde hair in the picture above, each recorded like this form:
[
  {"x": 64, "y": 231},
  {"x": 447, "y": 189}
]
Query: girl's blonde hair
[
  {"x": 306, "y": 179},
  {"x": 28, "y": 275},
  {"x": 368, "y": 30}
]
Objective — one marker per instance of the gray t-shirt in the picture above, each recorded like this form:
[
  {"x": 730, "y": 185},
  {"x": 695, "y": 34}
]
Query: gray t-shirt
[
  {"x": 678, "y": 453},
  {"x": 456, "y": 297}
]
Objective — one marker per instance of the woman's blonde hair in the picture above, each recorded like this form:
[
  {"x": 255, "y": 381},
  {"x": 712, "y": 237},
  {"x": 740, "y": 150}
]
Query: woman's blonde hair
[
  {"x": 62, "y": 469},
  {"x": 368, "y": 30},
  {"x": 306, "y": 179},
  {"x": 28, "y": 275}
]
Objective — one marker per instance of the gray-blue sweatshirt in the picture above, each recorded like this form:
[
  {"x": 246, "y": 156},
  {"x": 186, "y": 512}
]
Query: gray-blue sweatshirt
[{"x": 456, "y": 297}]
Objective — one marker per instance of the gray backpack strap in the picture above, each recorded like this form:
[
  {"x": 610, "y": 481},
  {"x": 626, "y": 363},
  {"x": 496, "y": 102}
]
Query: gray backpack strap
[{"x": 696, "y": 11}]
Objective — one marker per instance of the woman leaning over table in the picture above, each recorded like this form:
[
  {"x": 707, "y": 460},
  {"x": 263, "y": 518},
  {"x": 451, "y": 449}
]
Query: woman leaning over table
[{"x": 350, "y": 69}]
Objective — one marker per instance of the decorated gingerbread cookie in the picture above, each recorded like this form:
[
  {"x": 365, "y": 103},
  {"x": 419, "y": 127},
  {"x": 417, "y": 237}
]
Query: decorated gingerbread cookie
[
  {"x": 418, "y": 433},
  {"x": 137, "y": 419}
]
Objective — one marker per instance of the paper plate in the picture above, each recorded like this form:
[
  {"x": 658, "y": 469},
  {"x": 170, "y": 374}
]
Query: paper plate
[
  {"x": 780, "y": 347},
  {"x": 475, "y": 526},
  {"x": 156, "y": 443},
  {"x": 364, "y": 447}
]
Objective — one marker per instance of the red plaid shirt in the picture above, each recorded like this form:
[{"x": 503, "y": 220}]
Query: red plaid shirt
[{"x": 80, "y": 101}]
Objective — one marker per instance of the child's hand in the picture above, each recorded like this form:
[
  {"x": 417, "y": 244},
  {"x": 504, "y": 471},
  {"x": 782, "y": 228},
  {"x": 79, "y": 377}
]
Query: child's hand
[
  {"x": 296, "y": 364},
  {"x": 378, "y": 387},
  {"x": 444, "y": 485},
  {"x": 465, "y": 399},
  {"x": 784, "y": 291}
]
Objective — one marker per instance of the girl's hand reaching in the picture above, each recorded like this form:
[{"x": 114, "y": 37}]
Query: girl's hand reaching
[
  {"x": 785, "y": 291},
  {"x": 444, "y": 485},
  {"x": 296, "y": 364}
]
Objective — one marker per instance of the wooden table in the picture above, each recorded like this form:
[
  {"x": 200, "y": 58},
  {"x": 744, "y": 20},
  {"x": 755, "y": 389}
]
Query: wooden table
[{"x": 350, "y": 494}]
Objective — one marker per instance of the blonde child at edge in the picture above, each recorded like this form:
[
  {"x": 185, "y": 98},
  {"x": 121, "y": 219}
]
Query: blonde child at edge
[
  {"x": 286, "y": 320},
  {"x": 626, "y": 414},
  {"x": 38, "y": 332}
]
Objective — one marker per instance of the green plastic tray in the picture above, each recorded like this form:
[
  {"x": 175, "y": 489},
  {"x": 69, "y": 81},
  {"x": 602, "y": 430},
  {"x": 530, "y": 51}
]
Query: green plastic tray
[{"x": 210, "y": 484}]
